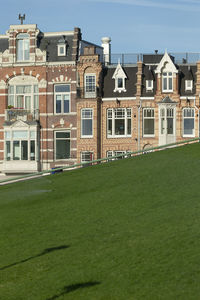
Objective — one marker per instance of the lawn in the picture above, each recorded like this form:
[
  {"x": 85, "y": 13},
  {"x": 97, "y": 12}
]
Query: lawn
[{"x": 125, "y": 230}]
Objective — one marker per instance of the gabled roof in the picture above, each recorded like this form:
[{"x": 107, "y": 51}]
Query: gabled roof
[
  {"x": 119, "y": 72},
  {"x": 166, "y": 63}
]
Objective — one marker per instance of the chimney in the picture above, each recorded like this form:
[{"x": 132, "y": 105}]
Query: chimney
[{"x": 106, "y": 49}]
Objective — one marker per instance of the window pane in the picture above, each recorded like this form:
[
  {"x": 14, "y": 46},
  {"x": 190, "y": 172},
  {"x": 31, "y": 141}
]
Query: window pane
[
  {"x": 165, "y": 83},
  {"x": 58, "y": 104},
  {"x": 24, "y": 150},
  {"x": 62, "y": 135},
  {"x": 27, "y": 102},
  {"x": 120, "y": 82},
  {"x": 32, "y": 134},
  {"x": 87, "y": 127},
  {"x": 16, "y": 150},
  {"x": 21, "y": 134},
  {"x": 170, "y": 83},
  {"x": 148, "y": 126},
  {"x": 188, "y": 126},
  {"x": 66, "y": 103},
  {"x": 7, "y": 135},
  {"x": 129, "y": 126},
  {"x": 169, "y": 125},
  {"x": 8, "y": 153},
  {"x": 36, "y": 102},
  {"x": 11, "y": 100},
  {"x": 62, "y": 149},
  {"x": 109, "y": 126},
  {"x": 20, "y": 102},
  {"x": 62, "y": 88},
  {"x": 119, "y": 127},
  {"x": 32, "y": 150}
]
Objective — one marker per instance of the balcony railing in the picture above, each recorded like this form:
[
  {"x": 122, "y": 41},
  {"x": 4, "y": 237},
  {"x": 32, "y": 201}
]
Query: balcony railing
[
  {"x": 15, "y": 114},
  {"x": 133, "y": 58},
  {"x": 82, "y": 93}
]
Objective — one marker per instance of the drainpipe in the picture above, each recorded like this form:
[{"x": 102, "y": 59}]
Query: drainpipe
[{"x": 139, "y": 111}]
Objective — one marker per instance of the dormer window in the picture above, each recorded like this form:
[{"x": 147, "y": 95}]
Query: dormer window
[
  {"x": 119, "y": 76},
  {"x": 61, "y": 50},
  {"x": 188, "y": 85},
  {"x": 167, "y": 82},
  {"x": 62, "y": 47},
  {"x": 149, "y": 85},
  {"x": 23, "y": 47}
]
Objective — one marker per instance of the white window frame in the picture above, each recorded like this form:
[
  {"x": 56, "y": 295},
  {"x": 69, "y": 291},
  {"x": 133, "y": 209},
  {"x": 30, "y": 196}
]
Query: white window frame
[
  {"x": 22, "y": 39},
  {"x": 83, "y": 117},
  {"x": 149, "y": 85},
  {"x": 190, "y": 116},
  {"x": 62, "y": 46},
  {"x": 90, "y": 87},
  {"x": 111, "y": 153},
  {"x": 33, "y": 94},
  {"x": 31, "y": 135},
  {"x": 188, "y": 85},
  {"x": 145, "y": 117},
  {"x": 111, "y": 117},
  {"x": 84, "y": 159},
  {"x": 55, "y": 139},
  {"x": 62, "y": 95},
  {"x": 168, "y": 76}
]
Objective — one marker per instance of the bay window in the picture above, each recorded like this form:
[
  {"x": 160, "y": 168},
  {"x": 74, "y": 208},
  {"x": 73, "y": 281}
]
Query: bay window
[{"x": 20, "y": 145}]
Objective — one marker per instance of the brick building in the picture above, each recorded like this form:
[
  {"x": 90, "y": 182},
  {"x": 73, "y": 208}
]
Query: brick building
[
  {"x": 62, "y": 101},
  {"x": 38, "y": 98},
  {"x": 145, "y": 104}
]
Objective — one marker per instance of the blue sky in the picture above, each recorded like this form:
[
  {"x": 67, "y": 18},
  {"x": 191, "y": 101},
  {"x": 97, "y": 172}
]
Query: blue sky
[{"x": 133, "y": 25}]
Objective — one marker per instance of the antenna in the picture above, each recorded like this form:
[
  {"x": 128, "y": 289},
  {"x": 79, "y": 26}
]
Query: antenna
[{"x": 22, "y": 18}]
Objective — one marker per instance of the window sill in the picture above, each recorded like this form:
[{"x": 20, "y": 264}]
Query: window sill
[
  {"x": 149, "y": 135},
  {"x": 87, "y": 137},
  {"x": 118, "y": 136},
  {"x": 167, "y": 91}
]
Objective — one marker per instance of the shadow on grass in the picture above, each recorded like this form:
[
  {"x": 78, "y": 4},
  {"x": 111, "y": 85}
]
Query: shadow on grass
[
  {"x": 46, "y": 251},
  {"x": 71, "y": 288}
]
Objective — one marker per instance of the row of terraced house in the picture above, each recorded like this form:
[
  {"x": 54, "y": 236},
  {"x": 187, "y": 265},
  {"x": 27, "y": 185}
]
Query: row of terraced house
[{"x": 63, "y": 101}]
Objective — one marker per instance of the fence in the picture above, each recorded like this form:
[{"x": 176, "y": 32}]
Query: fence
[{"x": 100, "y": 160}]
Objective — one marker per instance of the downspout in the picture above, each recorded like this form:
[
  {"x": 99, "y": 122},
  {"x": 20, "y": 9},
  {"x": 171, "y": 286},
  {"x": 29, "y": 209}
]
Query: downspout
[{"x": 139, "y": 112}]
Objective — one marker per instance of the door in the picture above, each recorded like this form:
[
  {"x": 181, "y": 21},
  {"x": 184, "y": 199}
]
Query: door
[{"x": 167, "y": 124}]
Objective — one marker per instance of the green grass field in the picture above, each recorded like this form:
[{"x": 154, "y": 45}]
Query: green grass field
[{"x": 125, "y": 230}]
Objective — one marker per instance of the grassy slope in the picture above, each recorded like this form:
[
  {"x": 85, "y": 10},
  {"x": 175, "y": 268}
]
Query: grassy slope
[{"x": 126, "y": 230}]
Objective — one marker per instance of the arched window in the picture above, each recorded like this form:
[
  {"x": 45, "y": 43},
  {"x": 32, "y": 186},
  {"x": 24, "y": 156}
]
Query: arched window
[{"x": 23, "y": 47}]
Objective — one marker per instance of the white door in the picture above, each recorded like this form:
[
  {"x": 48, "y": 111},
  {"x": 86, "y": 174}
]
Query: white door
[{"x": 167, "y": 124}]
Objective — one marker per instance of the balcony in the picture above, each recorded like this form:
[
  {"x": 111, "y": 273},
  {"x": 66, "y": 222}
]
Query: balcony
[
  {"x": 82, "y": 93},
  {"x": 15, "y": 114}
]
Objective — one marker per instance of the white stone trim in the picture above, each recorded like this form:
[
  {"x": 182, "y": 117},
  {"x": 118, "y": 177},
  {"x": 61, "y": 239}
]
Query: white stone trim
[
  {"x": 188, "y": 97},
  {"x": 118, "y": 98},
  {"x": 58, "y": 33},
  {"x": 147, "y": 98}
]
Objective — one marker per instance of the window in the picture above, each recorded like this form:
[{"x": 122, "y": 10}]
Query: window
[
  {"x": 188, "y": 122},
  {"x": 23, "y": 47},
  {"x": 149, "y": 85},
  {"x": 118, "y": 122},
  {"x": 62, "y": 98},
  {"x": 61, "y": 50},
  {"x": 86, "y": 156},
  {"x": 188, "y": 85},
  {"x": 148, "y": 122},
  {"x": 87, "y": 122},
  {"x": 62, "y": 145},
  {"x": 23, "y": 96},
  {"x": 20, "y": 145},
  {"x": 90, "y": 85},
  {"x": 121, "y": 154},
  {"x": 167, "y": 82}
]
